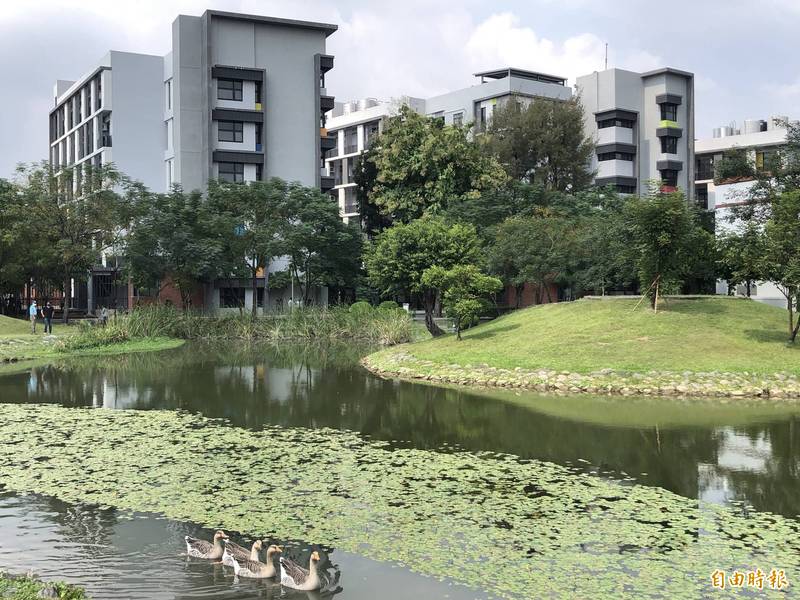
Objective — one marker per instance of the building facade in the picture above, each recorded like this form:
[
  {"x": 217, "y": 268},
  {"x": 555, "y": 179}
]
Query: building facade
[
  {"x": 239, "y": 98},
  {"x": 643, "y": 125},
  {"x": 353, "y": 125},
  {"x": 758, "y": 138}
]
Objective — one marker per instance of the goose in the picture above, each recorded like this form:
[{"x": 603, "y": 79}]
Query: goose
[
  {"x": 296, "y": 577},
  {"x": 203, "y": 549},
  {"x": 240, "y": 553},
  {"x": 245, "y": 567}
]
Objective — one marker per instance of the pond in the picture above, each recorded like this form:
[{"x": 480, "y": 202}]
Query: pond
[{"x": 553, "y": 479}]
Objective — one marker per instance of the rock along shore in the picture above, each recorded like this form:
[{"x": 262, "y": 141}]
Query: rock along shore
[{"x": 401, "y": 364}]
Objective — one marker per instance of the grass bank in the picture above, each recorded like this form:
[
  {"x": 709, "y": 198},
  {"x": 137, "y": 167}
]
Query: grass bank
[
  {"x": 17, "y": 343},
  {"x": 712, "y": 346},
  {"x": 29, "y": 588}
]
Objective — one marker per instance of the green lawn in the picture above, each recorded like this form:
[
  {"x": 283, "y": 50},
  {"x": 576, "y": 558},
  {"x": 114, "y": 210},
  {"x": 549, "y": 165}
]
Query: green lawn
[{"x": 706, "y": 334}]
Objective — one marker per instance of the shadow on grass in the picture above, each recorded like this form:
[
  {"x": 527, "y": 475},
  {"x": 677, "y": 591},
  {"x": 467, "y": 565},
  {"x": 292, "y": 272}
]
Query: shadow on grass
[
  {"x": 775, "y": 336},
  {"x": 482, "y": 335},
  {"x": 694, "y": 307}
]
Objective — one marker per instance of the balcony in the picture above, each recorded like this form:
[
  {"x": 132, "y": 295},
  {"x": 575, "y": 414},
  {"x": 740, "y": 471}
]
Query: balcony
[
  {"x": 613, "y": 135},
  {"x": 614, "y": 168},
  {"x": 326, "y": 103},
  {"x": 105, "y": 140},
  {"x": 326, "y": 182}
]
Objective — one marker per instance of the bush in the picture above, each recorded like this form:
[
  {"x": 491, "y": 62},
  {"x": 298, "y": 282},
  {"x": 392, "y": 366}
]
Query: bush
[
  {"x": 92, "y": 336},
  {"x": 388, "y": 305},
  {"x": 361, "y": 307},
  {"x": 358, "y": 322}
]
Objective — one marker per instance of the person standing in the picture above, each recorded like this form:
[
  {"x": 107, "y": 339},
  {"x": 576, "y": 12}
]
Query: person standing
[
  {"x": 33, "y": 310},
  {"x": 47, "y": 313},
  {"x": 103, "y": 316}
]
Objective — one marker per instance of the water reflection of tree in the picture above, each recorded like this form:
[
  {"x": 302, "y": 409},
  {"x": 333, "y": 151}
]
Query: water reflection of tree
[{"x": 89, "y": 527}]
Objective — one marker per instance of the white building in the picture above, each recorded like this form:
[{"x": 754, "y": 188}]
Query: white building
[
  {"x": 354, "y": 124},
  {"x": 758, "y": 138},
  {"x": 112, "y": 113},
  {"x": 643, "y": 125}
]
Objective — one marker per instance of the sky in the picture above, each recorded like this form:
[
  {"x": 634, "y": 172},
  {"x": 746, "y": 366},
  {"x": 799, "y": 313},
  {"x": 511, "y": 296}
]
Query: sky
[{"x": 743, "y": 53}]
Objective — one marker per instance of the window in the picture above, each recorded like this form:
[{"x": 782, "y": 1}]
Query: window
[
  {"x": 669, "y": 112},
  {"x": 438, "y": 117},
  {"x": 259, "y": 137},
  {"x": 351, "y": 167},
  {"x": 98, "y": 90},
  {"x": 230, "y": 131},
  {"x": 482, "y": 122},
  {"x": 231, "y": 172},
  {"x": 669, "y": 145},
  {"x": 259, "y": 172},
  {"x": 458, "y": 119},
  {"x": 350, "y": 201},
  {"x": 231, "y": 297},
  {"x": 626, "y": 189},
  {"x": 701, "y": 195},
  {"x": 371, "y": 131},
  {"x": 628, "y": 124},
  {"x": 169, "y": 165},
  {"x": 704, "y": 167},
  {"x": 168, "y": 86},
  {"x": 229, "y": 89},
  {"x": 670, "y": 177},
  {"x": 258, "y": 92},
  {"x": 615, "y": 156},
  {"x": 350, "y": 140},
  {"x": 337, "y": 172}
]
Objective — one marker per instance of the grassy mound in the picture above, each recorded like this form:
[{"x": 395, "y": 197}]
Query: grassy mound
[{"x": 698, "y": 335}]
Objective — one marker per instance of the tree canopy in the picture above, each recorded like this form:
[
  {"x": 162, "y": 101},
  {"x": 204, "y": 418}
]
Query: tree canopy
[{"x": 543, "y": 142}]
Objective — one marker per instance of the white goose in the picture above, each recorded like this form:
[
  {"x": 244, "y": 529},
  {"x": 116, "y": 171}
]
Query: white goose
[{"x": 296, "y": 577}]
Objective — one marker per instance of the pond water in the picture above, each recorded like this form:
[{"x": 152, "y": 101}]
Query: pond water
[{"x": 742, "y": 455}]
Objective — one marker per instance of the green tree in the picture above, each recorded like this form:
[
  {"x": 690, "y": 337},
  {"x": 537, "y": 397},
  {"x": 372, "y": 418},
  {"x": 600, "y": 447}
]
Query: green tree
[
  {"x": 422, "y": 166},
  {"x": 538, "y": 249},
  {"x": 741, "y": 255},
  {"x": 257, "y": 213},
  {"x": 398, "y": 257},
  {"x": 542, "y": 142},
  {"x": 322, "y": 250},
  {"x": 734, "y": 164},
  {"x": 182, "y": 238},
  {"x": 664, "y": 235},
  {"x": 782, "y": 256},
  {"x": 13, "y": 268},
  {"x": 464, "y": 290},
  {"x": 79, "y": 214}
]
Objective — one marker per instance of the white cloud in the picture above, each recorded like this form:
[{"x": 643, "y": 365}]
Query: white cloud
[{"x": 501, "y": 41}]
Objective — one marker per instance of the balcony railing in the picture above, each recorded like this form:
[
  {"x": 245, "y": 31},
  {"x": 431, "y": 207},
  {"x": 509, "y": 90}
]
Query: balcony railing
[{"x": 350, "y": 148}]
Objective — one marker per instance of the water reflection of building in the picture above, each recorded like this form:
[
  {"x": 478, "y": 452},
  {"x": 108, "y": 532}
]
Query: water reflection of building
[{"x": 738, "y": 453}]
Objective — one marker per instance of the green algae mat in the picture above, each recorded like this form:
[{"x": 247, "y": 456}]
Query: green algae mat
[{"x": 517, "y": 528}]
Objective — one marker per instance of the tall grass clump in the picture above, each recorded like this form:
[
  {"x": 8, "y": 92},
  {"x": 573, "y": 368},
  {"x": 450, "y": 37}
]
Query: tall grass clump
[{"x": 365, "y": 324}]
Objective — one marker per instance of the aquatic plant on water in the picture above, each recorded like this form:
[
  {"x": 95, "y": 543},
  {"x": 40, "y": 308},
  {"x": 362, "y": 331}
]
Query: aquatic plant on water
[{"x": 519, "y": 528}]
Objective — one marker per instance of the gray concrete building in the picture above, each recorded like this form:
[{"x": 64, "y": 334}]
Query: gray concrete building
[
  {"x": 643, "y": 125},
  {"x": 239, "y": 98}
]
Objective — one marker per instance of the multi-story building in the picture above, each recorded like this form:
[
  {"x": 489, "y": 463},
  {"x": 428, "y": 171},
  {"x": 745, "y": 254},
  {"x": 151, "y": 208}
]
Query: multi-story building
[
  {"x": 759, "y": 139},
  {"x": 112, "y": 114},
  {"x": 239, "y": 98},
  {"x": 643, "y": 125},
  {"x": 354, "y": 124}
]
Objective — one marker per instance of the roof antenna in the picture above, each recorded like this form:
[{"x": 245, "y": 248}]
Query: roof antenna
[{"x": 606, "y": 67}]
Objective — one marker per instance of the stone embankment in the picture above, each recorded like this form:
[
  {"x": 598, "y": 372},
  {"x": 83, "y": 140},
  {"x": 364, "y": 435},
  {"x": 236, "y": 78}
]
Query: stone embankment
[{"x": 403, "y": 365}]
